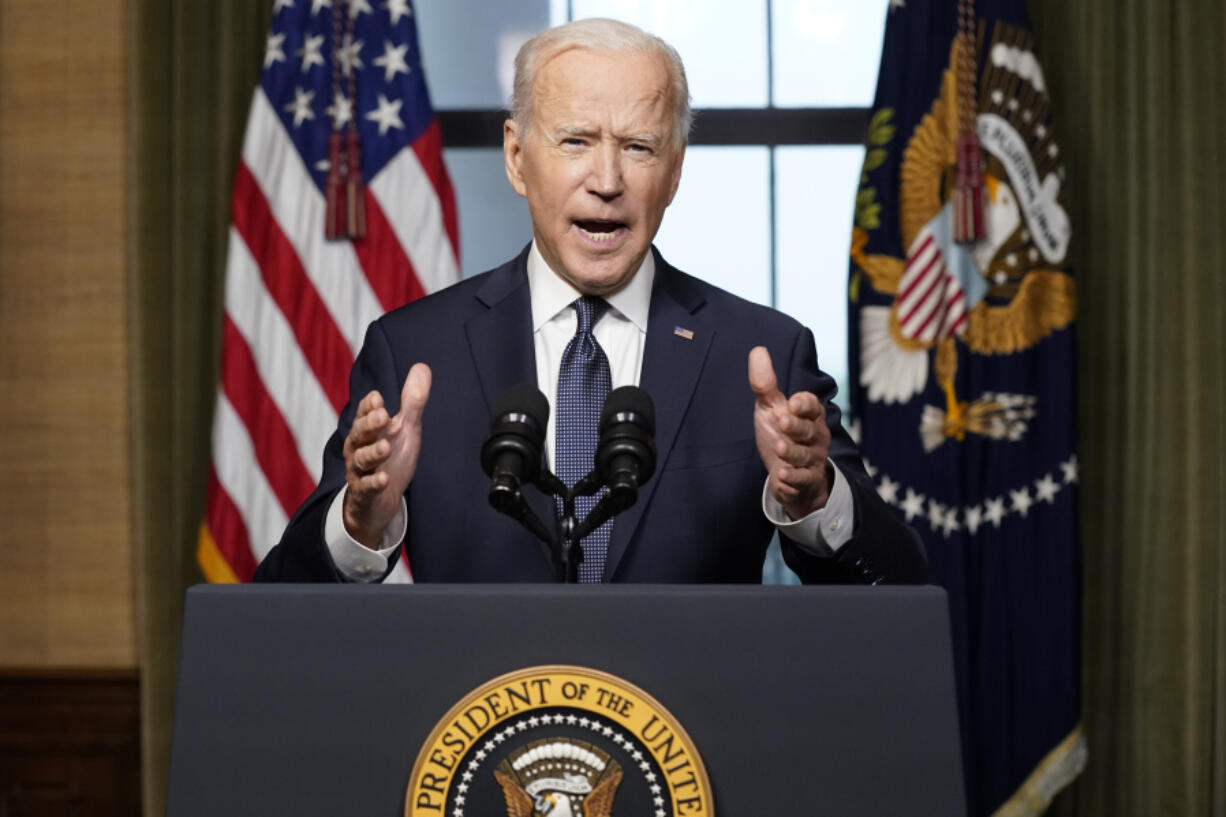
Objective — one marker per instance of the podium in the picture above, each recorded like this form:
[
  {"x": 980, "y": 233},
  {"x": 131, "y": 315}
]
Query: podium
[{"x": 317, "y": 700}]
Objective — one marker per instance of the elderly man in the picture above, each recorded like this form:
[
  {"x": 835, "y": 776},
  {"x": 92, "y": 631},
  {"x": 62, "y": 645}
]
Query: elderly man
[{"x": 595, "y": 143}]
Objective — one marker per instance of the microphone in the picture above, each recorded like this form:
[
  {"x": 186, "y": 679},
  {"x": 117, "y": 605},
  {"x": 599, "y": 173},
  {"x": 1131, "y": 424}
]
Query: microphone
[
  {"x": 625, "y": 453},
  {"x": 511, "y": 453}
]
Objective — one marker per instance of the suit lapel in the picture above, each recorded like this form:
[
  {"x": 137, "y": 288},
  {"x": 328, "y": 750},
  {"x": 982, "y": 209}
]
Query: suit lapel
[
  {"x": 672, "y": 364},
  {"x": 500, "y": 342}
]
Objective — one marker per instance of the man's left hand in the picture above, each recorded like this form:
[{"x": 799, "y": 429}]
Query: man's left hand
[{"x": 793, "y": 440}]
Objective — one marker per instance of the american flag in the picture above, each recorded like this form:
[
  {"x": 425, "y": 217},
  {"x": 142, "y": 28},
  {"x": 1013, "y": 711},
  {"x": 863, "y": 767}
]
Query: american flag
[{"x": 297, "y": 303}]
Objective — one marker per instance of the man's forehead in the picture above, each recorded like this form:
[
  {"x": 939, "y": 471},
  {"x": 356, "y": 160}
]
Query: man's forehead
[{"x": 581, "y": 84}]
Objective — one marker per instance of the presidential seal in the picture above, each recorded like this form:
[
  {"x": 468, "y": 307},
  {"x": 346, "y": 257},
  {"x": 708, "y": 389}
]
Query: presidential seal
[{"x": 558, "y": 741}]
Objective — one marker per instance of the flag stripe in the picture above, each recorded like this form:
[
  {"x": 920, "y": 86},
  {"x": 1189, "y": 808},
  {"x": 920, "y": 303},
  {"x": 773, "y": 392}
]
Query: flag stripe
[
  {"x": 298, "y": 207},
  {"x": 288, "y": 377},
  {"x": 227, "y": 530},
  {"x": 240, "y": 475},
  {"x": 384, "y": 261},
  {"x": 416, "y": 217},
  {"x": 274, "y": 443},
  {"x": 429, "y": 150},
  {"x": 323, "y": 346}
]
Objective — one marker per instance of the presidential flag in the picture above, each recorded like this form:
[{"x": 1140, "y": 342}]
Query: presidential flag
[
  {"x": 342, "y": 210},
  {"x": 961, "y": 317}
]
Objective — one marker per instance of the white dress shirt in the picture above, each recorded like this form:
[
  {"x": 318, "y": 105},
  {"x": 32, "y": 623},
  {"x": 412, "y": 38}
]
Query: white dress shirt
[{"x": 622, "y": 334}]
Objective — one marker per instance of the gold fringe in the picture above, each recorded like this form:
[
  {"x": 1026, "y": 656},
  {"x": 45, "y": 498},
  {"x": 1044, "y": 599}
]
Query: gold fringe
[
  {"x": 1054, "y": 772},
  {"x": 929, "y": 155},
  {"x": 1045, "y": 302},
  {"x": 215, "y": 567}
]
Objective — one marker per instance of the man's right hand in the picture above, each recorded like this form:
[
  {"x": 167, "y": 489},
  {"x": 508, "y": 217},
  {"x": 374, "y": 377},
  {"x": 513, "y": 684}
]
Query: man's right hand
[{"x": 381, "y": 457}]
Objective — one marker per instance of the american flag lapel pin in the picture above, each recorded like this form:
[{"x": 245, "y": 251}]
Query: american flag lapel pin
[{"x": 682, "y": 332}]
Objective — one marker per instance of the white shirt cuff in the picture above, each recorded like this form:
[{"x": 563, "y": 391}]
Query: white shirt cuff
[
  {"x": 355, "y": 561},
  {"x": 825, "y": 530}
]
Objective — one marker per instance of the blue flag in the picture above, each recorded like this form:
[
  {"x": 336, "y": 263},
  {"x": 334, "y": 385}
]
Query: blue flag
[{"x": 962, "y": 356}]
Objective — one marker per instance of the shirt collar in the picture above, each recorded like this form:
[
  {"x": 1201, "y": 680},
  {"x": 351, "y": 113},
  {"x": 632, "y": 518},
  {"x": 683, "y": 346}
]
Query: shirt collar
[{"x": 551, "y": 293}]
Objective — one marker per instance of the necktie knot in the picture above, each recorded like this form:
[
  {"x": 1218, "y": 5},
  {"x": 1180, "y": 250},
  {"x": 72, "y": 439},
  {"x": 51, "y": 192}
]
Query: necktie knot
[{"x": 589, "y": 308}]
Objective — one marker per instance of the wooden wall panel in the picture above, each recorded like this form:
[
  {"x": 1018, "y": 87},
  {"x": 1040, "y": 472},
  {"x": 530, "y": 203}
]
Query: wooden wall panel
[{"x": 66, "y": 596}]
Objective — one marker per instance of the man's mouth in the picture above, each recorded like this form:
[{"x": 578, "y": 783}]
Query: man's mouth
[{"x": 600, "y": 230}]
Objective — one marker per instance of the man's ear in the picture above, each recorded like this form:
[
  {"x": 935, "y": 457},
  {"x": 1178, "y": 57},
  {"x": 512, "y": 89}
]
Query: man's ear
[
  {"x": 512, "y": 156},
  {"x": 676, "y": 180}
]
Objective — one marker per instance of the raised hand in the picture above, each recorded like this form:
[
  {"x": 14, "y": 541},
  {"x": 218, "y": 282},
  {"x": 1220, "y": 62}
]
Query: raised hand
[
  {"x": 793, "y": 440},
  {"x": 381, "y": 457}
]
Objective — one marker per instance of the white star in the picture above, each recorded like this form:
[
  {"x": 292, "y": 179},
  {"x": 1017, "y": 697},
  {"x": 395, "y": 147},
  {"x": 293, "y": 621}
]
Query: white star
[
  {"x": 1052, "y": 150},
  {"x": 913, "y": 505},
  {"x": 572, "y": 720},
  {"x": 356, "y": 7},
  {"x": 637, "y": 755},
  {"x": 398, "y": 9},
  {"x": 1021, "y": 501},
  {"x": 310, "y": 52},
  {"x": 459, "y": 800},
  {"x": 950, "y": 523},
  {"x": 348, "y": 54},
  {"x": 618, "y": 739},
  {"x": 1040, "y": 132},
  {"x": 661, "y": 813},
  {"x": 392, "y": 61},
  {"x": 1070, "y": 470},
  {"x": 323, "y": 165},
  {"x": 301, "y": 106},
  {"x": 994, "y": 511},
  {"x": 521, "y": 726},
  {"x": 655, "y": 787},
  {"x": 463, "y": 787},
  {"x": 341, "y": 111},
  {"x": 659, "y": 801},
  {"x": 467, "y": 776},
  {"x": 888, "y": 489},
  {"x": 974, "y": 515},
  {"x": 481, "y": 755},
  {"x": 316, "y": 5},
  {"x": 584, "y": 722},
  {"x": 936, "y": 514},
  {"x": 607, "y": 731},
  {"x": 499, "y": 738},
  {"x": 1045, "y": 490},
  {"x": 272, "y": 49},
  {"x": 387, "y": 115}
]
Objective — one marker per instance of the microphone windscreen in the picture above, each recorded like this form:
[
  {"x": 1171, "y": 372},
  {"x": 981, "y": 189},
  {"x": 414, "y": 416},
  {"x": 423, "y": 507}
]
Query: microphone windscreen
[
  {"x": 524, "y": 398},
  {"x": 625, "y": 401}
]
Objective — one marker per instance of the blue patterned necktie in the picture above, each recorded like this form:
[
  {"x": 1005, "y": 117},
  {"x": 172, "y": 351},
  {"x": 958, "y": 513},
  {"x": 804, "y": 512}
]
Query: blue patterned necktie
[{"x": 584, "y": 381}]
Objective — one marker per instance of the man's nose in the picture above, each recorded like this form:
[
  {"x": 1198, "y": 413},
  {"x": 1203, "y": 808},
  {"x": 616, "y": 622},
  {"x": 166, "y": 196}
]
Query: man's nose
[{"x": 605, "y": 175}]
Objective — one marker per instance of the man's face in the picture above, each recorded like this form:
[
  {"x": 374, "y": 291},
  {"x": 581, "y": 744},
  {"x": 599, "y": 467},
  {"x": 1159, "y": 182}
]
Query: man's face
[{"x": 598, "y": 163}]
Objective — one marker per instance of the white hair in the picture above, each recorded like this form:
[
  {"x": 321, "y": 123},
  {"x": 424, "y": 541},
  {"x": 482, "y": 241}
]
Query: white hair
[{"x": 598, "y": 34}]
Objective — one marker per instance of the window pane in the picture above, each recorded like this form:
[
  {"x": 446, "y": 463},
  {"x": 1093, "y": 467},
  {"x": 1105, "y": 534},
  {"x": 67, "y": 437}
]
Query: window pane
[
  {"x": 468, "y": 48},
  {"x": 826, "y": 52},
  {"x": 815, "y": 194},
  {"x": 494, "y": 220},
  {"x": 721, "y": 42},
  {"x": 718, "y": 227}
]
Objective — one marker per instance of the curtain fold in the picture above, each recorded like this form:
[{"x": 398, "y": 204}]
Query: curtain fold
[
  {"x": 193, "y": 67},
  {"x": 1138, "y": 88}
]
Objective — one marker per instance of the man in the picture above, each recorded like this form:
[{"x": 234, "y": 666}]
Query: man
[{"x": 595, "y": 143}]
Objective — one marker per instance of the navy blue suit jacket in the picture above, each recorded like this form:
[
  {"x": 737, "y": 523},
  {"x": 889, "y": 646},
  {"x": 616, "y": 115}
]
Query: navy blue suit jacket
[{"x": 698, "y": 519}]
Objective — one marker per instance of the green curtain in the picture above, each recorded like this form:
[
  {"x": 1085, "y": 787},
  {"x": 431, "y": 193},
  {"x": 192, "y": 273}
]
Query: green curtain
[
  {"x": 193, "y": 68},
  {"x": 1138, "y": 91}
]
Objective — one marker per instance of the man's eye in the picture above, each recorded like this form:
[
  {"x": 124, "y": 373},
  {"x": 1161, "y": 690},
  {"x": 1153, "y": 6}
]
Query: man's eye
[
  {"x": 573, "y": 141},
  {"x": 637, "y": 148}
]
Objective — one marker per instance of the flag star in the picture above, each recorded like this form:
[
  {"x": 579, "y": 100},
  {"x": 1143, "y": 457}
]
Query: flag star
[
  {"x": 1045, "y": 490},
  {"x": 282, "y": 4},
  {"x": 387, "y": 115},
  {"x": 316, "y": 5},
  {"x": 1070, "y": 470},
  {"x": 348, "y": 54},
  {"x": 341, "y": 111},
  {"x": 323, "y": 165},
  {"x": 974, "y": 515},
  {"x": 398, "y": 9},
  {"x": 950, "y": 523},
  {"x": 913, "y": 505},
  {"x": 392, "y": 62},
  {"x": 356, "y": 7},
  {"x": 1021, "y": 501},
  {"x": 994, "y": 511},
  {"x": 272, "y": 49},
  {"x": 311, "y": 52},
  {"x": 936, "y": 514},
  {"x": 888, "y": 489},
  {"x": 301, "y": 106}
]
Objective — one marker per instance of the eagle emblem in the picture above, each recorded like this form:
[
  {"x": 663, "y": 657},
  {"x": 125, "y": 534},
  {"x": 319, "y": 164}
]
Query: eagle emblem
[
  {"x": 558, "y": 777},
  {"x": 999, "y": 295}
]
